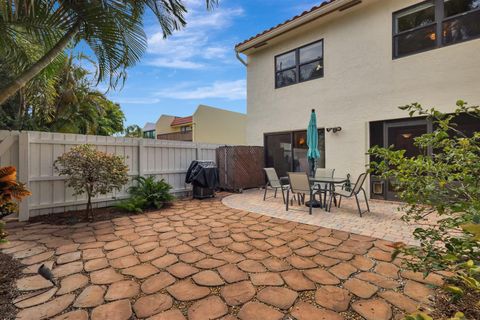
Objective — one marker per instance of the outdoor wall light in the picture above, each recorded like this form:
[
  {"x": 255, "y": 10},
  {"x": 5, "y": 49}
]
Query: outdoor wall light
[{"x": 334, "y": 129}]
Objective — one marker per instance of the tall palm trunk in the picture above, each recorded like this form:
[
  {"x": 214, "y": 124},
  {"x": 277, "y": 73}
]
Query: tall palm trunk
[{"x": 38, "y": 66}]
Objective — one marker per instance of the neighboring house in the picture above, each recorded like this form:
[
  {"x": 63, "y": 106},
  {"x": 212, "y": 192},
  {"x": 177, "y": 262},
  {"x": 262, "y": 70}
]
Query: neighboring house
[
  {"x": 148, "y": 130},
  {"x": 355, "y": 62},
  {"x": 206, "y": 125}
]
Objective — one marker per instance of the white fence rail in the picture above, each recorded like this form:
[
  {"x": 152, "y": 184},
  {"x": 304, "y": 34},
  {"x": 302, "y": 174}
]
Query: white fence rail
[{"x": 33, "y": 153}]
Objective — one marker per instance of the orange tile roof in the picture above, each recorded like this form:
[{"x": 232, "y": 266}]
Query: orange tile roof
[
  {"x": 285, "y": 22},
  {"x": 181, "y": 120}
]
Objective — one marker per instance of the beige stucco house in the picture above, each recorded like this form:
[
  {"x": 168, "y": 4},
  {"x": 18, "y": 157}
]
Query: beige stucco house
[
  {"x": 206, "y": 125},
  {"x": 355, "y": 62}
]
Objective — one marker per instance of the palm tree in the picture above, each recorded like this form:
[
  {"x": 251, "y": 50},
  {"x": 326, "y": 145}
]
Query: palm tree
[{"x": 113, "y": 29}]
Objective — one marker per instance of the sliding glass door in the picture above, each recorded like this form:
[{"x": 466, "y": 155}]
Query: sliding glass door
[
  {"x": 400, "y": 135},
  {"x": 287, "y": 151},
  {"x": 278, "y": 152}
]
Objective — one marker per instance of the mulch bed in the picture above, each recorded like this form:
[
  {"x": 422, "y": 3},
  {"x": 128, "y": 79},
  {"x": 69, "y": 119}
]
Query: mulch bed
[
  {"x": 10, "y": 270},
  {"x": 445, "y": 307},
  {"x": 79, "y": 216},
  {"x": 100, "y": 214}
]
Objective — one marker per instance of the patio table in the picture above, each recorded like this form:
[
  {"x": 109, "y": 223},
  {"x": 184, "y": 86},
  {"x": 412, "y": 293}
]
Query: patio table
[
  {"x": 331, "y": 182},
  {"x": 327, "y": 180}
]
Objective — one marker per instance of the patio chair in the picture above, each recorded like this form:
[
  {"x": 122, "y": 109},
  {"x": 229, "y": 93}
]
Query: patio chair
[
  {"x": 323, "y": 188},
  {"x": 300, "y": 185},
  {"x": 356, "y": 188},
  {"x": 274, "y": 182}
]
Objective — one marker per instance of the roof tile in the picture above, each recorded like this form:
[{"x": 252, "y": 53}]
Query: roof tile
[{"x": 287, "y": 21}]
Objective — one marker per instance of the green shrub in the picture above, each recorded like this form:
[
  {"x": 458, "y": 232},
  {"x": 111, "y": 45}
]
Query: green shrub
[
  {"x": 147, "y": 193},
  {"x": 3, "y": 234},
  {"x": 8, "y": 208},
  {"x": 445, "y": 185},
  {"x": 92, "y": 172},
  {"x": 133, "y": 204}
]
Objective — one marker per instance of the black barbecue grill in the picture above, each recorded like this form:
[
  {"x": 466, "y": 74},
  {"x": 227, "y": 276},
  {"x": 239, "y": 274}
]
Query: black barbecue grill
[{"x": 203, "y": 175}]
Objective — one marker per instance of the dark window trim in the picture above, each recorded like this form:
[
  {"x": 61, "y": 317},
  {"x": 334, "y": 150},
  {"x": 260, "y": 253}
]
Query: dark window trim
[
  {"x": 291, "y": 133},
  {"x": 439, "y": 20},
  {"x": 298, "y": 65},
  {"x": 408, "y": 8}
]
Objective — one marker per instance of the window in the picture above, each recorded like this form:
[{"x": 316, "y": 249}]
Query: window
[
  {"x": 414, "y": 29},
  {"x": 185, "y": 129},
  {"x": 434, "y": 23},
  {"x": 301, "y": 64},
  {"x": 149, "y": 134},
  {"x": 462, "y": 20},
  {"x": 287, "y": 151}
]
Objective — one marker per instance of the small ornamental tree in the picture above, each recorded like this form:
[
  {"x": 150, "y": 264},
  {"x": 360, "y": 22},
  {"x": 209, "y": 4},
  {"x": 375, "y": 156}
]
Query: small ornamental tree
[
  {"x": 92, "y": 172},
  {"x": 443, "y": 184}
]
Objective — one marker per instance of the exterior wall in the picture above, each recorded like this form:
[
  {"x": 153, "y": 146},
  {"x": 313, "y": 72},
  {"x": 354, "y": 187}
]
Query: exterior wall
[
  {"x": 212, "y": 125},
  {"x": 163, "y": 125},
  {"x": 362, "y": 82}
]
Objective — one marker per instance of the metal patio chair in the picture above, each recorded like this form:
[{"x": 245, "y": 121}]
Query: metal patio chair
[
  {"x": 274, "y": 182},
  {"x": 323, "y": 188},
  {"x": 300, "y": 186},
  {"x": 356, "y": 188}
]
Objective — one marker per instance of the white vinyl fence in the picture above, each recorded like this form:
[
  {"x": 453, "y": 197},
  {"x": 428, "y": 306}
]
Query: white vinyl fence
[{"x": 33, "y": 154}]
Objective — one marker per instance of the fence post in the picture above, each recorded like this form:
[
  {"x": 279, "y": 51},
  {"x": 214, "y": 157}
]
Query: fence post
[
  {"x": 141, "y": 157},
  {"x": 24, "y": 172},
  {"x": 198, "y": 152}
]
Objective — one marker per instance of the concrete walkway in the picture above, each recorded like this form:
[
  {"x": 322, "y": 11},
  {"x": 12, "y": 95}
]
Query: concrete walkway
[{"x": 202, "y": 260}]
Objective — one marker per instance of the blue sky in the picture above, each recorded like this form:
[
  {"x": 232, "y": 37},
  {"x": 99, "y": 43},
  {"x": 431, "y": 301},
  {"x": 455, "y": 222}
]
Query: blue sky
[{"x": 197, "y": 65}]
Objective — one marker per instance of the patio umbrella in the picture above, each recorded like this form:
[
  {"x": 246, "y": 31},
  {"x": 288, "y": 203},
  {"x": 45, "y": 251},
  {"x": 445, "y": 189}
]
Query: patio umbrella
[{"x": 312, "y": 142}]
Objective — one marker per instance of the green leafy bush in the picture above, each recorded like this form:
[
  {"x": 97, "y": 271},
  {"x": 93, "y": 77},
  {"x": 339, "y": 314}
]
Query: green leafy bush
[
  {"x": 3, "y": 234},
  {"x": 92, "y": 172},
  {"x": 133, "y": 204},
  {"x": 147, "y": 193},
  {"x": 443, "y": 184},
  {"x": 8, "y": 208}
]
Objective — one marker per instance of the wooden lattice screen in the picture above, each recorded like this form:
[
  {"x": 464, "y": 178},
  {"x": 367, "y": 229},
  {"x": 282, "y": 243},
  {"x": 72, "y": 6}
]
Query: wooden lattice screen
[{"x": 240, "y": 167}]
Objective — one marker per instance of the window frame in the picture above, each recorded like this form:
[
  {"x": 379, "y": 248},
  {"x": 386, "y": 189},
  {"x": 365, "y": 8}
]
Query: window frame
[
  {"x": 440, "y": 19},
  {"x": 298, "y": 64},
  {"x": 456, "y": 16}
]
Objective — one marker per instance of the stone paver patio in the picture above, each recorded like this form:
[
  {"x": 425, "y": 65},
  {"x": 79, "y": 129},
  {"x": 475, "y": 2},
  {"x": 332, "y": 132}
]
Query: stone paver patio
[
  {"x": 202, "y": 260},
  {"x": 382, "y": 222}
]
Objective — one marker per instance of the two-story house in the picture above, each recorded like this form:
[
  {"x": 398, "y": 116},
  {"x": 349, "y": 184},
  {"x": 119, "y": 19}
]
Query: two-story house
[
  {"x": 355, "y": 62},
  {"x": 206, "y": 125}
]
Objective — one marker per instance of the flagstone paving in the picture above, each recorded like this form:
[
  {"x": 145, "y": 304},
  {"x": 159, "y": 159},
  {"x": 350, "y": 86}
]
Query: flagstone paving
[
  {"x": 203, "y": 260},
  {"x": 383, "y": 222}
]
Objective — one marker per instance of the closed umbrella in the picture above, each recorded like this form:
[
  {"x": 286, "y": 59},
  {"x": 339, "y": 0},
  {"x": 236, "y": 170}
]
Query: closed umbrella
[{"x": 312, "y": 142}]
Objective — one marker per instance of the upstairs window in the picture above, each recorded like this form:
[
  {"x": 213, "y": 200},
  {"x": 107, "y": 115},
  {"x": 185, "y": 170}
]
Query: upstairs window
[
  {"x": 434, "y": 23},
  {"x": 414, "y": 29},
  {"x": 302, "y": 64},
  {"x": 462, "y": 20}
]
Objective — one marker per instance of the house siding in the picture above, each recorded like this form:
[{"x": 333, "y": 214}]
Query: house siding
[
  {"x": 361, "y": 83},
  {"x": 212, "y": 125}
]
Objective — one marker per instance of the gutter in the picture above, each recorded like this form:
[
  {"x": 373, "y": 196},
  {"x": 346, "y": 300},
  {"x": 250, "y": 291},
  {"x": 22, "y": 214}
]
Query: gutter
[
  {"x": 327, "y": 9},
  {"x": 237, "y": 54}
]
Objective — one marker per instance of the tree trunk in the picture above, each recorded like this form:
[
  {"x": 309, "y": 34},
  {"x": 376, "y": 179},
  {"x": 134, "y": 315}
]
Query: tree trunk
[
  {"x": 89, "y": 207},
  {"x": 38, "y": 66}
]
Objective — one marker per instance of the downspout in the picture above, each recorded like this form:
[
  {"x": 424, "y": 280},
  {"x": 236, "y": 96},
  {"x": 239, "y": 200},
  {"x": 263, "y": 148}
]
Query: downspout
[{"x": 240, "y": 58}]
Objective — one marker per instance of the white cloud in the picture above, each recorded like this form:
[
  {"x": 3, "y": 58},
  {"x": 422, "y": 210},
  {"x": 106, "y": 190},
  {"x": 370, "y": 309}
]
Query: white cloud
[
  {"x": 192, "y": 48},
  {"x": 175, "y": 63},
  {"x": 135, "y": 100},
  {"x": 230, "y": 90}
]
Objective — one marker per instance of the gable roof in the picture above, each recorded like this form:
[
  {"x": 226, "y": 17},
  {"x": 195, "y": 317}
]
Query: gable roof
[{"x": 181, "y": 120}]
